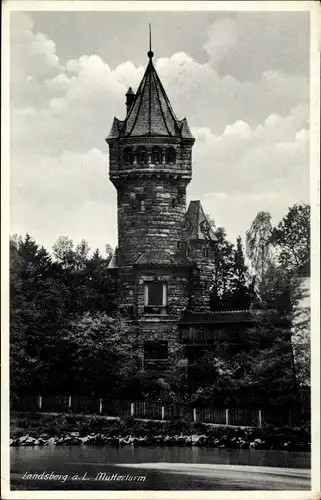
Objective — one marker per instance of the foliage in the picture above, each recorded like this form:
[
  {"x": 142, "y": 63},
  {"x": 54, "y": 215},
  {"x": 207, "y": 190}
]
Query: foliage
[
  {"x": 231, "y": 288},
  {"x": 45, "y": 295},
  {"x": 301, "y": 336},
  {"x": 65, "y": 332},
  {"x": 103, "y": 354},
  {"x": 292, "y": 239}
]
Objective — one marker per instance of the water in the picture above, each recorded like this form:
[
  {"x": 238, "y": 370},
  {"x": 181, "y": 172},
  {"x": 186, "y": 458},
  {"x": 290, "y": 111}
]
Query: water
[{"x": 164, "y": 468}]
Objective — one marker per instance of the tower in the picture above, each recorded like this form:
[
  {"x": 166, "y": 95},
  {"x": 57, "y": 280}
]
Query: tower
[
  {"x": 150, "y": 166},
  {"x": 161, "y": 264}
]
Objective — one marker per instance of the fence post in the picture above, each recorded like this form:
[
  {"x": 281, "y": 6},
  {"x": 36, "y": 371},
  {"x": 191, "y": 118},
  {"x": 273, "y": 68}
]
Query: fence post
[
  {"x": 132, "y": 409},
  {"x": 69, "y": 402},
  {"x": 260, "y": 418},
  {"x": 226, "y": 417},
  {"x": 39, "y": 402},
  {"x": 100, "y": 405},
  {"x": 163, "y": 412},
  {"x": 194, "y": 415}
]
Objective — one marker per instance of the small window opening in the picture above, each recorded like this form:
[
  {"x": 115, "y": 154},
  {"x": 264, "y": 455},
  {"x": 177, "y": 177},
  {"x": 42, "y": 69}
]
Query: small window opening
[
  {"x": 128, "y": 155},
  {"x": 174, "y": 203},
  {"x": 156, "y": 155},
  {"x": 142, "y": 155},
  {"x": 155, "y": 350},
  {"x": 170, "y": 155},
  {"x": 205, "y": 251},
  {"x": 155, "y": 297}
]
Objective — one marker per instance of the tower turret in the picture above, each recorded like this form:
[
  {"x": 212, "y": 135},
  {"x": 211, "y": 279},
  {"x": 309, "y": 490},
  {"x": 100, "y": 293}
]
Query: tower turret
[
  {"x": 130, "y": 97},
  {"x": 150, "y": 166}
]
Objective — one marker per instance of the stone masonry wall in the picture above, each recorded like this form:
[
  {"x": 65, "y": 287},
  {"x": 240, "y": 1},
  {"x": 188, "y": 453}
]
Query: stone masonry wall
[
  {"x": 150, "y": 216},
  {"x": 203, "y": 277}
]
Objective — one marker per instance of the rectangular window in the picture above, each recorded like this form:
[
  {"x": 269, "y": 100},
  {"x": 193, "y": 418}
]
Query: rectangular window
[
  {"x": 155, "y": 297},
  {"x": 155, "y": 350}
]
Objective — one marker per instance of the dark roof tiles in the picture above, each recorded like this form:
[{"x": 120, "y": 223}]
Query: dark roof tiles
[
  {"x": 197, "y": 226},
  {"x": 151, "y": 113}
]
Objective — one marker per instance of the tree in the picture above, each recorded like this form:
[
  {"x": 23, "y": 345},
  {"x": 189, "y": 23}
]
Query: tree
[
  {"x": 36, "y": 312},
  {"x": 63, "y": 251},
  {"x": 46, "y": 295},
  {"x": 301, "y": 336},
  {"x": 242, "y": 292},
  {"x": 279, "y": 295},
  {"x": 70, "y": 257},
  {"x": 292, "y": 239},
  {"x": 103, "y": 356},
  {"x": 258, "y": 243},
  {"x": 223, "y": 273},
  {"x": 231, "y": 287}
]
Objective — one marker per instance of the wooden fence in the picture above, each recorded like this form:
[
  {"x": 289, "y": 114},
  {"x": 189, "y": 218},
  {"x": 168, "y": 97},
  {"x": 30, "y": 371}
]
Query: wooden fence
[{"x": 150, "y": 410}]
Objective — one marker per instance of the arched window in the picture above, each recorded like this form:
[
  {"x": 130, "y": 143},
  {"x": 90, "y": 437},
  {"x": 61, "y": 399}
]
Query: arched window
[
  {"x": 128, "y": 155},
  {"x": 142, "y": 154},
  {"x": 170, "y": 155},
  {"x": 156, "y": 155}
]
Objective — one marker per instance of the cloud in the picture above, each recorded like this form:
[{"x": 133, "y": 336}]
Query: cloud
[
  {"x": 254, "y": 160},
  {"x": 246, "y": 45},
  {"x": 69, "y": 194},
  {"x": 251, "y": 150}
]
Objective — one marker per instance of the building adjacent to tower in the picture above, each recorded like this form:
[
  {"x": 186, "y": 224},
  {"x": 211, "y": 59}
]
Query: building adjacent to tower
[{"x": 164, "y": 260}]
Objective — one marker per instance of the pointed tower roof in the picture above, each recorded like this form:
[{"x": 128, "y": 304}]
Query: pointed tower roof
[
  {"x": 197, "y": 226},
  {"x": 151, "y": 113}
]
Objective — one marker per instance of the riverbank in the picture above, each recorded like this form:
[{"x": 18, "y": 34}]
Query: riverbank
[{"x": 39, "y": 429}]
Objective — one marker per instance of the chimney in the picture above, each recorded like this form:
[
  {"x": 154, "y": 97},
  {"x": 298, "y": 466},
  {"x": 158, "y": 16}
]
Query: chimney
[{"x": 130, "y": 97}]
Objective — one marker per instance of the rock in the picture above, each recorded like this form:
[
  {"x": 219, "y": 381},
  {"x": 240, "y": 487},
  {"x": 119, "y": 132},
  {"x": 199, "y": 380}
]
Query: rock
[
  {"x": 169, "y": 440},
  {"x": 22, "y": 439},
  {"x": 199, "y": 440},
  {"x": 51, "y": 441},
  {"x": 180, "y": 440},
  {"x": 126, "y": 440},
  {"x": 30, "y": 441}
]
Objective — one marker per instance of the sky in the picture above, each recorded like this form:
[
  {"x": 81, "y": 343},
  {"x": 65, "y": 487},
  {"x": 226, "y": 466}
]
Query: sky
[{"x": 240, "y": 78}]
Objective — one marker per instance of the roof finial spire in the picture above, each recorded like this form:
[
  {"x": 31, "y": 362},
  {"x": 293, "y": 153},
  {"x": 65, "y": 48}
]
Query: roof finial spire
[{"x": 150, "y": 53}]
